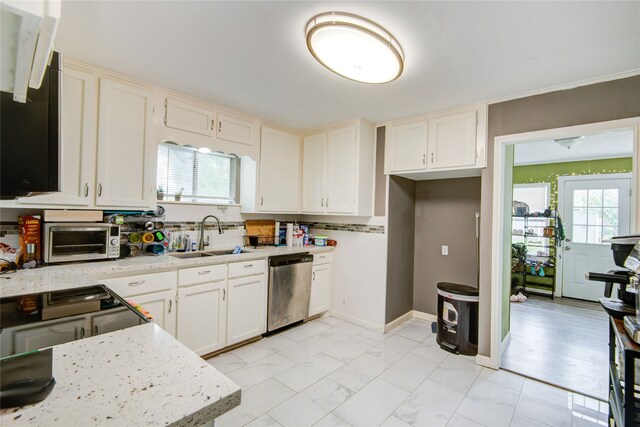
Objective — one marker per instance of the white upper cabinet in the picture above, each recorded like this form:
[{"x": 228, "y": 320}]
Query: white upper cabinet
[
  {"x": 313, "y": 171},
  {"x": 440, "y": 145},
  {"x": 235, "y": 129},
  {"x": 279, "y": 183},
  {"x": 125, "y": 175},
  {"x": 337, "y": 176},
  {"x": 452, "y": 141},
  {"x": 78, "y": 142},
  {"x": 188, "y": 117},
  {"x": 406, "y": 146},
  {"x": 341, "y": 171}
]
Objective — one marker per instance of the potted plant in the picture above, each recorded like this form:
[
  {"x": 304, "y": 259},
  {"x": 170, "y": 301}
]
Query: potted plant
[
  {"x": 160, "y": 192},
  {"x": 178, "y": 195}
]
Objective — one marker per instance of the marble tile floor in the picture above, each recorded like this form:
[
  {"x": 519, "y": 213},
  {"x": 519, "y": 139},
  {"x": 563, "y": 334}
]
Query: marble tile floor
[{"x": 328, "y": 372}]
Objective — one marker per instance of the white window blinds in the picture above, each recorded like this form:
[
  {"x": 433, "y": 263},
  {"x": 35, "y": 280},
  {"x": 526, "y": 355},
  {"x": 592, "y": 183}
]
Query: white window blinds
[{"x": 200, "y": 175}]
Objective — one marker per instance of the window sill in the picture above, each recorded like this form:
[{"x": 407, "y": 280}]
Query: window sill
[{"x": 172, "y": 202}]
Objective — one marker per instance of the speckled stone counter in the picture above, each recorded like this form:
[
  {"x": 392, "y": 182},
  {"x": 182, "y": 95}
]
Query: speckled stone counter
[
  {"x": 77, "y": 275},
  {"x": 139, "y": 376}
]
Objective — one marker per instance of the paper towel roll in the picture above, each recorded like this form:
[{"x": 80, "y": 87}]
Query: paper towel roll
[
  {"x": 290, "y": 234},
  {"x": 276, "y": 236}
]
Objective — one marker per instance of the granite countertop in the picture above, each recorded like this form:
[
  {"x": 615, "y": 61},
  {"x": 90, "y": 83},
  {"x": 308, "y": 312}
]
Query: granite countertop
[
  {"x": 136, "y": 376},
  {"x": 77, "y": 275}
]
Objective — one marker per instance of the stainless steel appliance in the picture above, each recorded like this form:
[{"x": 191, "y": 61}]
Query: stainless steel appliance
[
  {"x": 289, "y": 290},
  {"x": 626, "y": 254},
  {"x": 30, "y": 137},
  {"x": 35, "y": 321},
  {"x": 64, "y": 242}
]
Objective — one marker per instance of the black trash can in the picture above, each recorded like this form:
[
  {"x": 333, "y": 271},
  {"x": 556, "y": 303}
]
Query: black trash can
[{"x": 458, "y": 318}]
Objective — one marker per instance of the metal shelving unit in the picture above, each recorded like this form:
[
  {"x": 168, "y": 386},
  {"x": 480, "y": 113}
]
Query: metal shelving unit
[
  {"x": 532, "y": 234},
  {"x": 624, "y": 405}
]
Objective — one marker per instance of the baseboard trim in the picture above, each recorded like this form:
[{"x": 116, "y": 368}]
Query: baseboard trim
[
  {"x": 397, "y": 322},
  {"x": 505, "y": 342},
  {"x": 485, "y": 361},
  {"x": 425, "y": 316},
  {"x": 356, "y": 320}
]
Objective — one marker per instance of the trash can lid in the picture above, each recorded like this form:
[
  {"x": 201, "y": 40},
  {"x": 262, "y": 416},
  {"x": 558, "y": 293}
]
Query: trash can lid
[{"x": 456, "y": 289}]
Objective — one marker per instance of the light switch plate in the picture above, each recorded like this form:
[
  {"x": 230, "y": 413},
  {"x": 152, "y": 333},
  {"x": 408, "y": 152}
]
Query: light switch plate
[{"x": 445, "y": 250}]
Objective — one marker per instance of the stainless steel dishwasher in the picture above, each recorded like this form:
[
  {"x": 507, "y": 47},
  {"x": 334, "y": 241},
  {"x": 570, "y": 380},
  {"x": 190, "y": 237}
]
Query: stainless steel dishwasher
[{"x": 289, "y": 289}]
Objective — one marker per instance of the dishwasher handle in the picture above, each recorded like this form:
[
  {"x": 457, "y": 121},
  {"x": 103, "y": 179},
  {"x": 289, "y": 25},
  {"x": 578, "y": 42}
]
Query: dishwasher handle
[{"x": 282, "y": 260}]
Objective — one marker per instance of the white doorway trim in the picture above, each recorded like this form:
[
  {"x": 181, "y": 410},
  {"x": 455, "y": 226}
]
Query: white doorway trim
[
  {"x": 497, "y": 247},
  {"x": 561, "y": 181}
]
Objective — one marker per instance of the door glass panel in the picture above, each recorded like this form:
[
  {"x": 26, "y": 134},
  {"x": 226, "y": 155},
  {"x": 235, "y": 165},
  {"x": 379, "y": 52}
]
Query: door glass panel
[
  {"x": 580, "y": 216},
  {"x": 580, "y": 233},
  {"x": 595, "y": 198},
  {"x": 594, "y": 234},
  {"x": 610, "y": 197},
  {"x": 609, "y": 232},
  {"x": 580, "y": 198},
  {"x": 610, "y": 216},
  {"x": 594, "y": 216}
]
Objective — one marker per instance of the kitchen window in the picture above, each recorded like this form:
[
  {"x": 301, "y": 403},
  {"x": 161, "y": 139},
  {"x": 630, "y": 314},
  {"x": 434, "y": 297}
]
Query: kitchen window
[{"x": 187, "y": 174}]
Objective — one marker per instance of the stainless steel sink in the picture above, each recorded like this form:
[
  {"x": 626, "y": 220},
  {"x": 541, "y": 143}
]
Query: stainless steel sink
[
  {"x": 224, "y": 252},
  {"x": 186, "y": 255},
  {"x": 190, "y": 254}
]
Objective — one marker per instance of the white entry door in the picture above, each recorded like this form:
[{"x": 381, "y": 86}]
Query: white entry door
[{"x": 593, "y": 208}]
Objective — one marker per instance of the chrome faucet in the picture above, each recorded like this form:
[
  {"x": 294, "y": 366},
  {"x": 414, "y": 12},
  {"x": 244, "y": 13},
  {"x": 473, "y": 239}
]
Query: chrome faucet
[{"x": 201, "y": 243}]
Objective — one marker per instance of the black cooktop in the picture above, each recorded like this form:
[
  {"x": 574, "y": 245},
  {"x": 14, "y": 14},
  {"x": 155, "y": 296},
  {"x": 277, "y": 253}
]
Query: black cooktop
[{"x": 35, "y": 321}]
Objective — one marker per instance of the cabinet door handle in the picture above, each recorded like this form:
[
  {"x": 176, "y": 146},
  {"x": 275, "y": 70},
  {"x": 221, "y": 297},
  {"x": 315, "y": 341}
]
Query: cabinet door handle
[
  {"x": 204, "y": 272},
  {"x": 212, "y": 124},
  {"x": 219, "y": 127},
  {"x": 99, "y": 189},
  {"x": 327, "y": 202},
  {"x": 224, "y": 294},
  {"x": 138, "y": 283},
  {"x": 431, "y": 157},
  {"x": 314, "y": 276},
  {"x": 322, "y": 203},
  {"x": 248, "y": 265},
  {"x": 86, "y": 189},
  {"x": 82, "y": 332},
  {"x": 261, "y": 200},
  {"x": 424, "y": 159},
  {"x": 166, "y": 108},
  {"x": 95, "y": 328},
  {"x": 170, "y": 305}
]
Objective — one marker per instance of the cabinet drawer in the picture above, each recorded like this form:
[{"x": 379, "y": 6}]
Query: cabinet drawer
[
  {"x": 207, "y": 273},
  {"x": 141, "y": 284},
  {"x": 324, "y": 258},
  {"x": 247, "y": 268}
]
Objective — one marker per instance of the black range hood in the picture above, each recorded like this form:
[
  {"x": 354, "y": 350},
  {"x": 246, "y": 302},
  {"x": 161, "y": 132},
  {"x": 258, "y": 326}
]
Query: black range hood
[{"x": 30, "y": 138}]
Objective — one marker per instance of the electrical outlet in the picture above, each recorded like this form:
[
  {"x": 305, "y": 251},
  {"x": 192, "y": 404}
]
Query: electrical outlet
[{"x": 445, "y": 250}]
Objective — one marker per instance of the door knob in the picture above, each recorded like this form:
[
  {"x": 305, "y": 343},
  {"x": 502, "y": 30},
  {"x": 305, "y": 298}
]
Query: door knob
[
  {"x": 567, "y": 248},
  {"x": 567, "y": 240}
]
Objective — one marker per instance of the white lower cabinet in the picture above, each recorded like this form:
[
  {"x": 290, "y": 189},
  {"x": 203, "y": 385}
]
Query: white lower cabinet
[
  {"x": 156, "y": 292},
  {"x": 320, "y": 300},
  {"x": 162, "y": 307},
  {"x": 246, "y": 312},
  {"x": 36, "y": 337},
  {"x": 202, "y": 316}
]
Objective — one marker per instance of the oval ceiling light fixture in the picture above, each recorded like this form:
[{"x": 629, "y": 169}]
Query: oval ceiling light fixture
[{"x": 354, "y": 47}]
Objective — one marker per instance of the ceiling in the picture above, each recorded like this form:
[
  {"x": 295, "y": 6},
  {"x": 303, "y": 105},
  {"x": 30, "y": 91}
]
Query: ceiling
[
  {"x": 252, "y": 56},
  {"x": 604, "y": 145}
]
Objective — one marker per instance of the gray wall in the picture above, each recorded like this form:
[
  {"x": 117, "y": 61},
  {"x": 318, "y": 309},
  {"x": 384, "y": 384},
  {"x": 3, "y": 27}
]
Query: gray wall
[
  {"x": 445, "y": 215},
  {"x": 617, "y": 99},
  {"x": 400, "y": 238}
]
